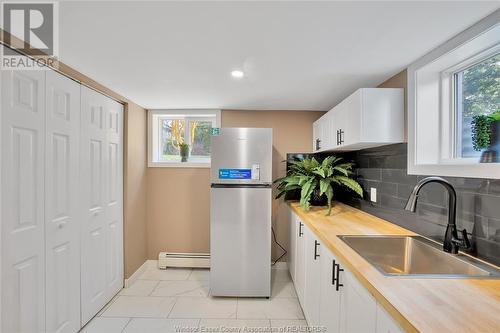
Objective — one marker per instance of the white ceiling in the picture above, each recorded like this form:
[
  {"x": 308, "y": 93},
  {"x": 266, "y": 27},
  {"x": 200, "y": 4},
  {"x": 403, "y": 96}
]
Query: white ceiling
[{"x": 295, "y": 55}]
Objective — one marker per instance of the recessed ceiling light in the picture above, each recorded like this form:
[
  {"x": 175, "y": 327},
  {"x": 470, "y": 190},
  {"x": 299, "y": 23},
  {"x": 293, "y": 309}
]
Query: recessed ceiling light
[{"x": 237, "y": 74}]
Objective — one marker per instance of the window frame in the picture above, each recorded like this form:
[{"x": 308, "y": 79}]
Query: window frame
[
  {"x": 432, "y": 103},
  {"x": 154, "y": 117}
]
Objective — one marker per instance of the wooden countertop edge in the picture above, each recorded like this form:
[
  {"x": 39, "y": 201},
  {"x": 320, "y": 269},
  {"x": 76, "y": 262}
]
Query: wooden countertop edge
[{"x": 396, "y": 315}]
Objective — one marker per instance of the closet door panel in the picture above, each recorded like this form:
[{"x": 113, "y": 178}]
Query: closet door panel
[
  {"x": 62, "y": 226},
  {"x": 101, "y": 179},
  {"x": 23, "y": 247},
  {"x": 93, "y": 169},
  {"x": 114, "y": 195}
]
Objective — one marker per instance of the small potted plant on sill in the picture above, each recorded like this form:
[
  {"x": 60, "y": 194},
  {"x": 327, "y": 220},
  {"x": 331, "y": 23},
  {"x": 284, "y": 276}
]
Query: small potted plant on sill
[
  {"x": 184, "y": 151},
  {"x": 318, "y": 181},
  {"x": 486, "y": 137}
]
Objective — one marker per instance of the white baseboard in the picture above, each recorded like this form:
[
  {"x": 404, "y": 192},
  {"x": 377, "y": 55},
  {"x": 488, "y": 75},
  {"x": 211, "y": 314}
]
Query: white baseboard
[
  {"x": 144, "y": 267},
  {"x": 281, "y": 265}
]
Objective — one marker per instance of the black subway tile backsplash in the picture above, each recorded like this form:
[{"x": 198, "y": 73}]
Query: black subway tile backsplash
[{"x": 478, "y": 200}]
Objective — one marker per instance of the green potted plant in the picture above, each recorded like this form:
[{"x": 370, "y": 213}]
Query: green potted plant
[
  {"x": 486, "y": 136},
  {"x": 184, "y": 150},
  {"x": 316, "y": 180}
]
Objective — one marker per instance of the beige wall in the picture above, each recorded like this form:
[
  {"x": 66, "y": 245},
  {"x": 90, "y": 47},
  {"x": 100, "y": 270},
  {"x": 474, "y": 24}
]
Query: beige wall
[
  {"x": 135, "y": 194},
  {"x": 399, "y": 81},
  {"x": 178, "y": 198}
]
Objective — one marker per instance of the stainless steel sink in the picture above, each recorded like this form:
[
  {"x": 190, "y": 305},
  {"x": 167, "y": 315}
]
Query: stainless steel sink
[{"x": 418, "y": 257}]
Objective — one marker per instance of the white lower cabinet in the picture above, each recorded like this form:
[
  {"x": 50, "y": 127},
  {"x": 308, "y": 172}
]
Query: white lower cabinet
[
  {"x": 385, "y": 324},
  {"x": 312, "y": 291},
  {"x": 300, "y": 269},
  {"x": 331, "y": 285},
  {"x": 292, "y": 243},
  {"x": 359, "y": 308},
  {"x": 329, "y": 294}
]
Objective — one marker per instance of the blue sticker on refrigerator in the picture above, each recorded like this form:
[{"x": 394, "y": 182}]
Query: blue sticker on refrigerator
[{"x": 235, "y": 173}]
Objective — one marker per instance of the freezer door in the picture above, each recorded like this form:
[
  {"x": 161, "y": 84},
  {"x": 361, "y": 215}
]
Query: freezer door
[
  {"x": 240, "y": 242},
  {"x": 242, "y": 156}
]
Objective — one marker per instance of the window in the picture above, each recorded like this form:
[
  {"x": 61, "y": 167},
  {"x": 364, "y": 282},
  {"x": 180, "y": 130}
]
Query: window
[
  {"x": 447, "y": 89},
  {"x": 169, "y": 129},
  {"x": 477, "y": 93}
]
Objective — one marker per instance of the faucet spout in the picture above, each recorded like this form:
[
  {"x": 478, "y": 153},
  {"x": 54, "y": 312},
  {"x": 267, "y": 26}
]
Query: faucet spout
[{"x": 451, "y": 242}]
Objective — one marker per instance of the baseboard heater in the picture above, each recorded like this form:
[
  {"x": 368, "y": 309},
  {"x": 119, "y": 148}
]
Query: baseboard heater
[{"x": 191, "y": 260}]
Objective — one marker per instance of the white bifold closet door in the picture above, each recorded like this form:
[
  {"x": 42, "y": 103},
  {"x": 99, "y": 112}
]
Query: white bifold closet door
[
  {"x": 102, "y": 199},
  {"x": 40, "y": 202},
  {"x": 62, "y": 203},
  {"x": 61, "y": 176},
  {"x": 23, "y": 226}
]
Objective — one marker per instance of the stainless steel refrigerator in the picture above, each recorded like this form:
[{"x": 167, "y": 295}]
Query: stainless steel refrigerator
[{"x": 240, "y": 212}]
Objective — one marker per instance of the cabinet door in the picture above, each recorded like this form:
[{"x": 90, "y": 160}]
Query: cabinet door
[
  {"x": 339, "y": 125},
  {"x": 331, "y": 292},
  {"x": 300, "y": 270},
  {"x": 101, "y": 182},
  {"x": 292, "y": 240},
  {"x": 313, "y": 278},
  {"x": 22, "y": 178},
  {"x": 385, "y": 323},
  {"x": 359, "y": 308},
  {"x": 352, "y": 115},
  {"x": 62, "y": 218},
  {"x": 328, "y": 131},
  {"x": 317, "y": 135}
]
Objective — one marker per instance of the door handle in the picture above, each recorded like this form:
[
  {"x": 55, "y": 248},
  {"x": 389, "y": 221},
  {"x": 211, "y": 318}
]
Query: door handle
[
  {"x": 338, "y": 285},
  {"x": 316, "y": 244},
  {"x": 300, "y": 229},
  {"x": 338, "y": 140},
  {"x": 318, "y": 146},
  {"x": 341, "y": 133}
]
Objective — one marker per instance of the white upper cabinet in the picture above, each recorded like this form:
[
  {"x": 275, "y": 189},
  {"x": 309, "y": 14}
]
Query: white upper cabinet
[{"x": 369, "y": 117}]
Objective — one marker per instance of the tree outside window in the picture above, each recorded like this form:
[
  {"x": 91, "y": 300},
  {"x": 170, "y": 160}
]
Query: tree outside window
[
  {"x": 478, "y": 93},
  {"x": 195, "y": 132}
]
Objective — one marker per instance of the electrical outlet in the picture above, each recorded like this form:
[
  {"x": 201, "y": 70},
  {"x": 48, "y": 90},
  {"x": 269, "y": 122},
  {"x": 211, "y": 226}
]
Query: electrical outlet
[{"x": 373, "y": 194}]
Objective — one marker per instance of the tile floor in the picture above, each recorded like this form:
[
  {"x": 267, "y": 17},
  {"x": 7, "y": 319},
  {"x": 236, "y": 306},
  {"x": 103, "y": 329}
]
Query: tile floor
[{"x": 172, "y": 299}]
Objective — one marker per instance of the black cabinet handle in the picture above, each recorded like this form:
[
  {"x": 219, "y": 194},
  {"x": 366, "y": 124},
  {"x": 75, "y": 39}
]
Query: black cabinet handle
[
  {"x": 333, "y": 272},
  {"x": 336, "y": 275},
  {"x": 316, "y": 244},
  {"x": 338, "y": 285},
  {"x": 318, "y": 146},
  {"x": 300, "y": 229},
  {"x": 338, "y": 139},
  {"x": 341, "y": 134}
]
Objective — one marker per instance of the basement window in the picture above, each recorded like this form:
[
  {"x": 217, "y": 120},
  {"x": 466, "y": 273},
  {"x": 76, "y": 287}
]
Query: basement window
[
  {"x": 447, "y": 89},
  {"x": 477, "y": 94},
  {"x": 169, "y": 129}
]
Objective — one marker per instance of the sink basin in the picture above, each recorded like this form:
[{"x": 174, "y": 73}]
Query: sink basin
[{"x": 416, "y": 256}]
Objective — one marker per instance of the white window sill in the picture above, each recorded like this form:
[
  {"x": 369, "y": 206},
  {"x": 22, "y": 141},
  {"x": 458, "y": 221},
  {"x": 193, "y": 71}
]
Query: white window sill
[
  {"x": 476, "y": 170},
  {"x": 178, "y": 165}
]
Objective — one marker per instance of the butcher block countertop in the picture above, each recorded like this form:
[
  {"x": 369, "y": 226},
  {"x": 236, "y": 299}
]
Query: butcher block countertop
[{"x": 417, "y": 304}]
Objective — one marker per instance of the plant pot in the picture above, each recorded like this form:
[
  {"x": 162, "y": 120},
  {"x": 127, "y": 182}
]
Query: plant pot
[
  {"x": 492, "y": 154},
  {"x": 184, "y": 155},
  {"x": 318, "y": 200}
]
